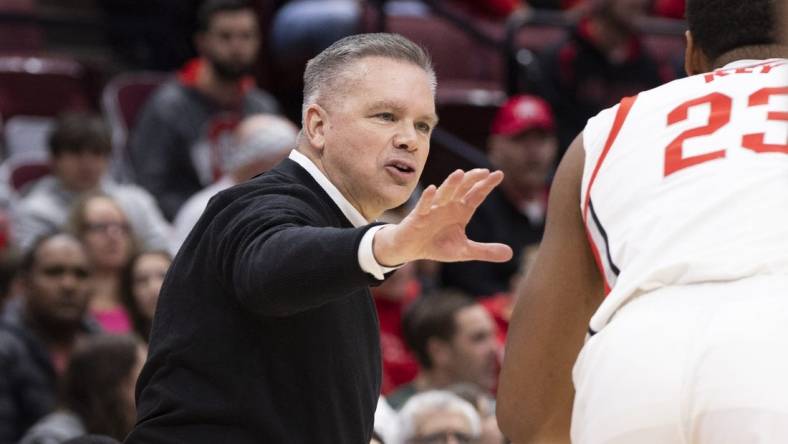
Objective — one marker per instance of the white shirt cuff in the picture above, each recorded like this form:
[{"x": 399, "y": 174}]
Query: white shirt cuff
[{"x": 366, "y": 257}]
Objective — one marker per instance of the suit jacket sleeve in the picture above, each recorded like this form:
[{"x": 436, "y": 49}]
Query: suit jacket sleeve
[{"x": 282, "y": 258}]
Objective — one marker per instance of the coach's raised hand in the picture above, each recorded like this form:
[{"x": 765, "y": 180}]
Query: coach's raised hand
[{"x": 435, "y": 229}]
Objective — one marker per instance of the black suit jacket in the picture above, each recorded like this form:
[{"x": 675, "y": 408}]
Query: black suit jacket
[{"x": 265, "y": 330}]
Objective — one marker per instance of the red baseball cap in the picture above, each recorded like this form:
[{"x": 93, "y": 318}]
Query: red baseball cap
[{"x": 521, "y": 113}]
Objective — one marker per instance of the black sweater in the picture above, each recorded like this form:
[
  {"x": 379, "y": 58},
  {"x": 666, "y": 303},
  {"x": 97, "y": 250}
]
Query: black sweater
[{"x": 265, "y": 330}]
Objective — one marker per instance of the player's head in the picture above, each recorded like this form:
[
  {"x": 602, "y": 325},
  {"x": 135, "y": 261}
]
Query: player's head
[{"x": 721, "y": 31}]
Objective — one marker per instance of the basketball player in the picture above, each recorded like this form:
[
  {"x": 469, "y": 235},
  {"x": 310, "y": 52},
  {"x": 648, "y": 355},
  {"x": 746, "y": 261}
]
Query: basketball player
[{"x": 668, "y": 222}]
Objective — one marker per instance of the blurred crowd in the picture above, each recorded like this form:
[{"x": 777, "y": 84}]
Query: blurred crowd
[{"x": 86, "y": 245}]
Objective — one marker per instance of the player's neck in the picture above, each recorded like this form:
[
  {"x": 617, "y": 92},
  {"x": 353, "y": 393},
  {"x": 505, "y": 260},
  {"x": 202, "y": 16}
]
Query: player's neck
[{"x": 753, "y": 52}]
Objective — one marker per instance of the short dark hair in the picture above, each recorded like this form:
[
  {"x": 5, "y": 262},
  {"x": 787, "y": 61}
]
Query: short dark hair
[
  {"x": 432, "y": 316},
  {"x": 91, "y": 386},
  {"x": 79, "y": 132},
  {"x": 720, "y": 26},
  {"x": 209, "y": 8},
  {"x": 30, "y": 256}
]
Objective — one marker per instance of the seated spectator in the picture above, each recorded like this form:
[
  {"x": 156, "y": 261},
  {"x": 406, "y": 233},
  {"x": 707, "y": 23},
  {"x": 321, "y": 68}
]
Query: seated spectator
[
  {"x": 103, "y": 228},
  {"x": 602, "y": 60},
  {"x": 523, "y": 145},
  {"x": 484, "y": 404},
  {"x": 79, "y": 148},
  {"x": 260, "y": 142},
  {"x": 438, "y": 416},
  {"x": 39, "y": 330},
  {"x": 501, "y": 305},
  {"x": 97, "y": 394},
  {"x": 179, "y": 131},
  {"x": 453, "y": 338},
  {"x": 142, "y": 280}
]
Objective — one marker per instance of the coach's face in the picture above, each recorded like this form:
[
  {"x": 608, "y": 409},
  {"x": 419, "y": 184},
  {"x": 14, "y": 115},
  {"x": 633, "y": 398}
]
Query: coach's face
[{"x": 375, "y": 132}]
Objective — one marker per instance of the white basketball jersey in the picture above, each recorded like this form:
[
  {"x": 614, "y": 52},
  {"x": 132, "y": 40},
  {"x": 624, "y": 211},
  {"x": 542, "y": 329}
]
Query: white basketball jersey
[{"x": 688, "y": 182}]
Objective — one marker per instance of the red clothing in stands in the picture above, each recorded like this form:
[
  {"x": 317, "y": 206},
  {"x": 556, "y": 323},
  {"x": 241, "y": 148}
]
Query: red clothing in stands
[
  {"x": 399, "y": 365},
  {"x": 500, "y": 308},
  {"x": 669, "y": 8}
]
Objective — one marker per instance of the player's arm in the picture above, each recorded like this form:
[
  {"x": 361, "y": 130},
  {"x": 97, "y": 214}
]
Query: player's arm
[{"x": 550, "y": 319}]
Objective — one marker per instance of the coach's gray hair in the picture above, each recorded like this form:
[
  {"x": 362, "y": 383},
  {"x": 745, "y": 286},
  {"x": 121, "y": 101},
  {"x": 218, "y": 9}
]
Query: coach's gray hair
[
  {"x": 325, "y": 68},
  {"x": 435, "y": 401}
]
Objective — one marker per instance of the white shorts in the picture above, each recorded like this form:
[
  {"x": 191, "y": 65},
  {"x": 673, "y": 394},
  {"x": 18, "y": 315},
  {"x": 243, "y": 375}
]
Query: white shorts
[{"x": 704, "y": 363}]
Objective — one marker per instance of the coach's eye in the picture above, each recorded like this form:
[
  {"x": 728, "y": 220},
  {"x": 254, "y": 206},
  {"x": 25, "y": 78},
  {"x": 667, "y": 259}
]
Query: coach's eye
[
  {"x": 389, "y": 117},
  {"x": 423, "y": 127}
]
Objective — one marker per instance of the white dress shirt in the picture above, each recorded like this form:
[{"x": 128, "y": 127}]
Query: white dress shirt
[{"x": 366, "y": 257}]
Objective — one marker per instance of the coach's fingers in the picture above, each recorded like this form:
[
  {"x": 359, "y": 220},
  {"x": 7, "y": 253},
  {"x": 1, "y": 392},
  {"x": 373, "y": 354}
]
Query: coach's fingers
[
  {"x": 425, "y": 201},
  {"x": 447, "y": 188},
  {"x": 481, "y": 189},
  {"x": 488, "y": 252},
  {"x": 470, "y": 179}
]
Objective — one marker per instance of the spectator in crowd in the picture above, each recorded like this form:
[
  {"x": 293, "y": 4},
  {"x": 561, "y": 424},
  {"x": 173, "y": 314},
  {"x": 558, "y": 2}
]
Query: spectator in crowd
[
  {"x": 39, "y": 330},
  {"x": 501, "y": 305},
  {"x": 524, "y": 146},
  {"x": 175, "y": 143},
  {"x": 484, "y": 404},
  {"x": 601, "y": 61},
  {"x": 142, "y": 280},
  {"x": 438, "y": 416},
  {"x": 79, "y": 147},
  {"x": 260, "y": 142},
  {"x": 453, "y": 338},
  {"x": 97, "y": 392},
  {"x": 102, "y": 226}
]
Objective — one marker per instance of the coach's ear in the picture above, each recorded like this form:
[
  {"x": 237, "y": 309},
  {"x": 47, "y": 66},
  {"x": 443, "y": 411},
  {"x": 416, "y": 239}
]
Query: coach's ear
[
  {"x": 695, "y": 61},
  {"x": 315, "y": 126}
]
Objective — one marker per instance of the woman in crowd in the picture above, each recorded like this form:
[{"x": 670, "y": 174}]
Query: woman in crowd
[
  {"x": 97, "y": 391},
  {"x": 103, "y": 228},
  {"x": 142, "y": 280}
]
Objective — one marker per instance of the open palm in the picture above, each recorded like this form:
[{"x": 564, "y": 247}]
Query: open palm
[{"x": 435, "y": 229}]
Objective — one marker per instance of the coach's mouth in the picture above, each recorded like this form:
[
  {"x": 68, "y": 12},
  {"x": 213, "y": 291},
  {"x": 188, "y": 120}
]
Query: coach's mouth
[{"x": 402, "y": 170}]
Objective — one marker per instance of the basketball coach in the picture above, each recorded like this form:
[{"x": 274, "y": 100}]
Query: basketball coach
[{"x": 265, "y": 330}]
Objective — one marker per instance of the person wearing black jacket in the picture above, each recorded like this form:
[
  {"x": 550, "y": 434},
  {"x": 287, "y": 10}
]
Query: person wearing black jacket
[
  {"x": 38, "y": 331},
  {"x": 265, "y": 329}
]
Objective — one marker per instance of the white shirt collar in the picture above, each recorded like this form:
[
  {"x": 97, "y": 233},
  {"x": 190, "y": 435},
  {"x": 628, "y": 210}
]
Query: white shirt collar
[{"x": 351, "y": 213}]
